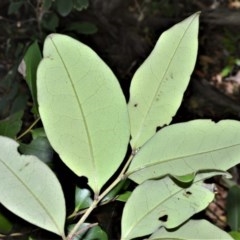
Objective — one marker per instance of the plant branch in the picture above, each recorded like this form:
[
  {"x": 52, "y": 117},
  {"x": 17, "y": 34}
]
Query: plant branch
[
  {"x": 28, "y": 129},
  {"x": 99, "y": 198},
  {"x": 82, "y": 219}
]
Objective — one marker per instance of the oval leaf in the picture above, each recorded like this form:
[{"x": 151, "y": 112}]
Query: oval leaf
[
  {"x": 187, "y": 148},
  {"x": 158, "y": 85},
  {"x": 30, "y": 189},
  {"x": 64, "y": 7},
  {"x": 193, "y": 229},
  {"x": 31, "y": 60},
  {"x": 83, "y": 109},
  {"x": 166, "y": 204}
]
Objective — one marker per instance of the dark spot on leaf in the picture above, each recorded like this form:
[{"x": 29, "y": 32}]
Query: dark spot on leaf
[
  {"x": 188, "y": 193},
  {"x": 164, "y": 218},
  {"x": 135, "y": 105},
  {"x": 25, "y": 165}
]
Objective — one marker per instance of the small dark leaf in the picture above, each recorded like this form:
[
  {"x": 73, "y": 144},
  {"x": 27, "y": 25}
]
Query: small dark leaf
[
  {"x": 50, "y": 21},
  {"x": 10, "y": 126},
  {"x": 13, "y": 97},
  {"x": 5, "y": 224},
  {"x": 15, "y": 6},
  {"x": 233, "y": 208},
  {"x": 30, "y": 63},
  {"x": 47, "y": 4},
  {"x": 83, "y": 28},
  {"x": 64, "y": 7},
  {"x": 39, "y": 147}
]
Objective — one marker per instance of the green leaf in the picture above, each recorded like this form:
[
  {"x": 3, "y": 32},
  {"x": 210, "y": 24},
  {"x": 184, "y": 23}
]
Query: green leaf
[
  {"x": 47, "y": 4},
  {"x": 233, "y": 208},
  {"x": 186, "y": 178},
  {"x": 30, "y": 189},
  {"x": 86, "y": 28},
  {"x": 64, "y": 7},
  {"x": 11, "y": 125},
  {"x": 83, "y": 109},
  {"x": 50, "y": 21},
  {"x": 235, "y": 235},
  {"x": 84, "y": 233},
  {"x": 193, "y": 229},
  {"x": 158, "y": 86},
  {"x": 39, "y": 147},
  {"x": 95, "y": 233},
  {"x": 120, "y": 187},
  {"x": 124, "y": 196},
  {"x": 38, "y": 132},
  {"x": 187, "y": 148},
  {"x": 82, "y": 199},
  {"x": 5, "y": 224},
  {"x": 81, "y": 4},
  {"x": 15, "y": 6},
  {"x": 165, "y": 205},
  {"x": 31, "y": 60}
]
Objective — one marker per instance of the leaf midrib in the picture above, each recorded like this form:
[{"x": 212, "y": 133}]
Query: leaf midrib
[
  {"x": 180, "y": 157},
  {"x": 81, "y": 112},
  {"x": 33, "y": 194},
  {"x": 161, "y": 82}
]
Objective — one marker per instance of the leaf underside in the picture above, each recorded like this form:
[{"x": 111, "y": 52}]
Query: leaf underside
[
  {"x": 158, "y": 86},
  {"x": 165, "y": 205},
  {"x": 83, "y": 109},
  {"x": 185, "y": 148},
  {"x": 30, "y": 189}
]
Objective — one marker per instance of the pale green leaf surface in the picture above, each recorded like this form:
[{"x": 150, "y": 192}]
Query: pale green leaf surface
[
  {"x": 83, "y": 109},
  {"x": 194, "y": 230},
  {"x": 164, "y": 199},
  {"x": 187, "y": 148},
  {"x": 158, "y": 86},
  {"x": 29, "y": 189}
]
